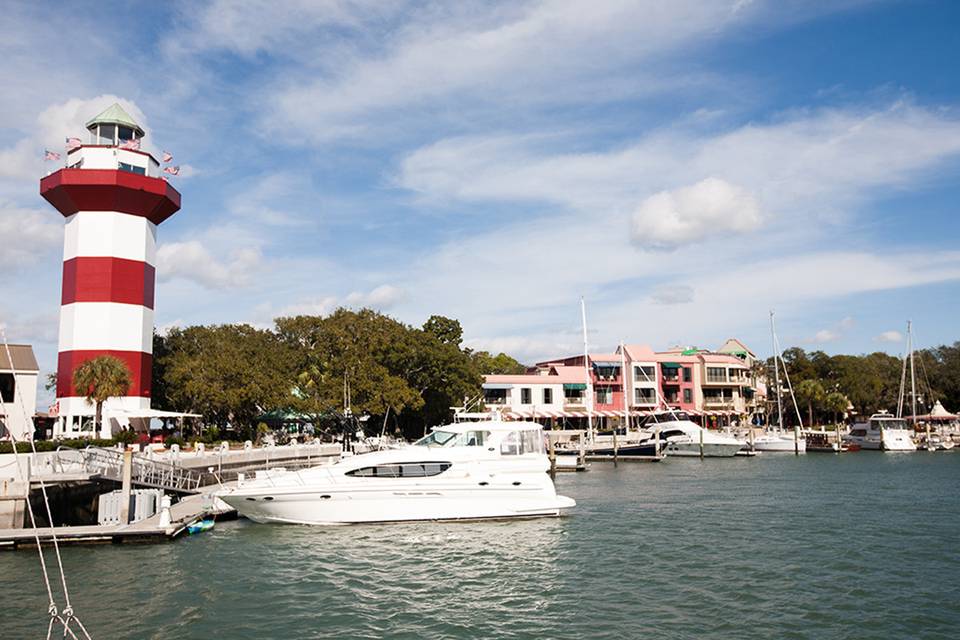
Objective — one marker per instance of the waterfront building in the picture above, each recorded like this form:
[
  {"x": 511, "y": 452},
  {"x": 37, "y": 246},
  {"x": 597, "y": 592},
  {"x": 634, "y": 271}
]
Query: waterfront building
[
  {"x": 718, "y": 387},
  {"x": 18, "y": 391},
  {"x": 112, "y": 196}
]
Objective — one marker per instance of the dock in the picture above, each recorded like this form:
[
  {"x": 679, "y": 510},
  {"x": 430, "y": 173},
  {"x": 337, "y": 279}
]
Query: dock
[{"x": 182, "y": 514}]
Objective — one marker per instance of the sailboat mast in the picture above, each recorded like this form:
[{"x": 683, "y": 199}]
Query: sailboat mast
[
  {"x": 776, "y": 372},
  {"x": 586, "y": 368},
  {"x": 913, "y": 378}
]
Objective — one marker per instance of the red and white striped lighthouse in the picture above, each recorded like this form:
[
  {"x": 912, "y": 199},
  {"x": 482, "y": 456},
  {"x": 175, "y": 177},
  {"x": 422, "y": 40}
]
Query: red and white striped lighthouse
[{"x": 112, "y": 196}]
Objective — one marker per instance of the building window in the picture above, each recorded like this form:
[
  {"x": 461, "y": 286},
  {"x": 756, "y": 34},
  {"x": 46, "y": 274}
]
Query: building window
[
  {"x": 687, "y": 396},
  {"x": 604, "y": 395},
  {"x": 607, "y": 371},
  {"x": 687, "y": 376},
  {"x": 495, "y": 396},
  {"x": 716, "y": 374},
  {"x": 8, "y": 387},
  {"x": 526, "y": 396},
  {"x": 644, "y": 373},
  {"x": 548, "y": 396},
  {"x": 125, "y": 134},
  {"x": 671, "y": 374},
  {"x": 107, "y": 134},
  {"x": 573, "y": 396},
  {"x": 644, "y": 396}
]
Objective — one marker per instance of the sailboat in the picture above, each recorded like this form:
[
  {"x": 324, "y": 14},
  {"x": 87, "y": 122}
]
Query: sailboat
[{"x": 777, "y": 440}]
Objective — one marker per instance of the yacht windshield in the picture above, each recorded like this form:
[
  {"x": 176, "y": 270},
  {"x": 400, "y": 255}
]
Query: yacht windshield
[
  {"x": 437, "y": 439},
  {"x": 888, "y": 423},
  {"x": 473, "y": 438}
]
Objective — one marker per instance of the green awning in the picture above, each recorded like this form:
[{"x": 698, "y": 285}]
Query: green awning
[
  {"x": 576, "y": 386},
  {"x": 671, "y": 365},
  {"x": 689, "y": 352}
]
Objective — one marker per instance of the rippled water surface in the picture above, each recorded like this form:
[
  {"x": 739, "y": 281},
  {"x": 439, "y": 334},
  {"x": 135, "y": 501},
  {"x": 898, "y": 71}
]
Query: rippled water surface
[{"x": 857, "y": 546}]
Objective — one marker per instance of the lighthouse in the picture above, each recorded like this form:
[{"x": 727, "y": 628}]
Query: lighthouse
[{"x": 112, "y": 196}]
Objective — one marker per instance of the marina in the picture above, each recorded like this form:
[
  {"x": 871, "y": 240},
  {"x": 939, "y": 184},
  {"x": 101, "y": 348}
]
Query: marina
[{"x": 751, "y": 547}]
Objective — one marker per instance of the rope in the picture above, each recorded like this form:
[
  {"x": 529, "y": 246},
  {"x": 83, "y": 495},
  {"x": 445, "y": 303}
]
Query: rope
[{"x": 68, "y": 614}]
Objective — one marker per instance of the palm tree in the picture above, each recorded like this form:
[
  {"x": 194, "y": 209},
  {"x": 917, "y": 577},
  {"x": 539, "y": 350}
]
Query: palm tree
[
  {"x": 836, "y": 403},
  {"x": 812, "y": 393},
  {"x": 100, "y": 379}
]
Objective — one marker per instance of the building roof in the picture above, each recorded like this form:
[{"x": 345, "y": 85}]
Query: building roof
[
  {"x": 642, "y": 352},
  {"x": 733, "y": 345},
  {"x": 556, "y": 374},
  {"x": 23, "y": 359},
  {"x": 114, "y": 114}
]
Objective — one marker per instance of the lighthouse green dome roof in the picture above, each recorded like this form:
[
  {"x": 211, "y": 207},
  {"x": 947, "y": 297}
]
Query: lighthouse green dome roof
[{"x": 114, "y": 114}]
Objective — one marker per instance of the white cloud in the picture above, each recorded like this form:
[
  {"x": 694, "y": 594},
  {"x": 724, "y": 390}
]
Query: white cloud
[
  {"x": 190, "y": 260},
  {"x": 889, "y": 336},
  {"x": 27, "y": 234},
  {"x": 711, "y": 207},
  {"x": 523, "y": 348},
  {"x": 313, "y": 307},
  {"x": 672, "y": 294},
  {"x": 825, "y": 335},
  {"x": 382, "y": 297}
]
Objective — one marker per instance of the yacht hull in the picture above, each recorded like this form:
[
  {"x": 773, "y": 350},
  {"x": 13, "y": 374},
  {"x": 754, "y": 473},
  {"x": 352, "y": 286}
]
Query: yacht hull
[
  {"x": 779, "y": 445},
  {"x": 692, "y": 450},
  {"x": 330, "y": 506}
]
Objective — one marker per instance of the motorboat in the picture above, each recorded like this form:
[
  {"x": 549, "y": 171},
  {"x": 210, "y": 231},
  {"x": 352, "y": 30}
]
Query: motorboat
[
  {"x": 778, "y": 442},
  {"x": 882, "y": 432},
  {"x": 462, "y": 471},
  {"x": 680, "y": 436},
  {"x": 824, "y": 441}
]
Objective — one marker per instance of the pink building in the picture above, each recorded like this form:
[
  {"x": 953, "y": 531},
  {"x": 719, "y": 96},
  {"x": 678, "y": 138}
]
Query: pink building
[{"x": 717, "y": 387}]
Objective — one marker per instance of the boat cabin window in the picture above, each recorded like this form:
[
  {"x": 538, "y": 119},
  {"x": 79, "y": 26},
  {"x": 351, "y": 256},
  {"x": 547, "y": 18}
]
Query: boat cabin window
[
  {"x": 403, "y": 470},
  {"x": 889, "y": 423},
  {"x": 519, "y": 442}
]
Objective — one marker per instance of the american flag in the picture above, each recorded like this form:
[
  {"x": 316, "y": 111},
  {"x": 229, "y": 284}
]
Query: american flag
[
  {"x": 174, "y": 171},
  {"x": 73, "y": 143},
  {"x": 167, "y": 156},
  {"x": 133, "y": 144},
  {"x": 50, "y": 155}
]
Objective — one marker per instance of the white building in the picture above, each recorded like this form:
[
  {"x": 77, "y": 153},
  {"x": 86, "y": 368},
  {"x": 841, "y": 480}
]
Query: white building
[{"x": 18, "y": 391}]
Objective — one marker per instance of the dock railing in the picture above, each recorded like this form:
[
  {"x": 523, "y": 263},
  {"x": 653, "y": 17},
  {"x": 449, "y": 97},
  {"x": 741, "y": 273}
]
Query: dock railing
[{"x": 109, "y": 464}]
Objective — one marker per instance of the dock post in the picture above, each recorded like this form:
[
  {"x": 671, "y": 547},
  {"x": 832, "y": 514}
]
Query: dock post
[
  {"x": 164, "y": 511},
  {"x": 701, "y": 443},
  {"x": 615, "y": 429},
  {"x": 582, "y": 455},
  {"x": 125, "y": 489},
  {"x": 553, "y": 459}
]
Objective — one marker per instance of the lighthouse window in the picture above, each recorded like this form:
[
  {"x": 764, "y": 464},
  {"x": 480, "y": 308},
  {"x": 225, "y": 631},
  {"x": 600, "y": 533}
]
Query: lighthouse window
[
  {"x": 107, "y": 134},
  {"x": 124, "y": 133},
  {"x": 133, "y": 169}
]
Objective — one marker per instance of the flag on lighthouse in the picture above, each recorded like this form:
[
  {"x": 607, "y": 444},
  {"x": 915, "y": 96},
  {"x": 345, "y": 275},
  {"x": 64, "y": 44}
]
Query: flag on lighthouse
[
  {"x": 133, "y": 144},
  {"x": 174, "y": 171},
  {"x": 50, "y": 155},
  {"x": 167, "y": 156},
  {"x": 73, "y": 143}
]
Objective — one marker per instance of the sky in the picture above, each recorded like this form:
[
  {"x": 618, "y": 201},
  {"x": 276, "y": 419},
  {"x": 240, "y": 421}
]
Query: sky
[{"x": 685, "y": 167}]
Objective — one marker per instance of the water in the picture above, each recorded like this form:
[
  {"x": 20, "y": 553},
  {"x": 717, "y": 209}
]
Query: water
[{"x": 863, "y": 545}]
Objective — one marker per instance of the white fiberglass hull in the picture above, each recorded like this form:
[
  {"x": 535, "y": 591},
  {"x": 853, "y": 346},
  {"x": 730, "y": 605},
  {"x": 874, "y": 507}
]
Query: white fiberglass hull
[
  {"x": 398, "y": 503},
  {"x": 888, "y": 441},
  {"x": 779, "y": 444}
]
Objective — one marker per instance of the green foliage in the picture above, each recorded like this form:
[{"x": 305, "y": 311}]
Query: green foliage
[
  {"x": 173, "y": 440},
  {"x": 127, "y": 436},
  {"x": 100, "y": 379},
  {"x": 501, "y": 363},
  {"x": 228, "y": 373},
  {"x": 52, "y": 445}
]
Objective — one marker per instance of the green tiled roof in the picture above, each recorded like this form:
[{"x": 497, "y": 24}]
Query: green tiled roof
[{"x": 114, "y": 114}]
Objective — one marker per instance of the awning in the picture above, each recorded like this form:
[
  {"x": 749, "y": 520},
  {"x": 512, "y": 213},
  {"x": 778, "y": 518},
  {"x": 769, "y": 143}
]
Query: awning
[
  {"x": 497, "y": 385},
  {"x": 575, "y": 386},
  {"x": 671, "y": 365}
]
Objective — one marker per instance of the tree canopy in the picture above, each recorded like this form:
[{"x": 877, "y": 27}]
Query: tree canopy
[
  {"x": 100, "y": 379},
  {"x": 403, "y": 377}
]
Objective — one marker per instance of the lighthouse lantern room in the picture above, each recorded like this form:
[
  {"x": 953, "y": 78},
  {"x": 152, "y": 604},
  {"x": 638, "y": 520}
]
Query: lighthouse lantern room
[{"x": 112, "y": 196}]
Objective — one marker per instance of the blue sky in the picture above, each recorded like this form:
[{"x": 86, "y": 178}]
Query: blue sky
[{"x": 684, "y": 166}]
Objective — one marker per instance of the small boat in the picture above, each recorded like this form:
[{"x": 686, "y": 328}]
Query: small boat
[
  {"x": 680, "y": 436},
  {"x": 822, "y": 441},
  {"x": 779, "y": 442},
  {"x": 461, "y": 471},
  {"x": 200, "y": 526}
]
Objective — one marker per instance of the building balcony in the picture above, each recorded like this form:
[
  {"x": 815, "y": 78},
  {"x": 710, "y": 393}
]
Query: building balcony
[{"x": 497, "y": 401}]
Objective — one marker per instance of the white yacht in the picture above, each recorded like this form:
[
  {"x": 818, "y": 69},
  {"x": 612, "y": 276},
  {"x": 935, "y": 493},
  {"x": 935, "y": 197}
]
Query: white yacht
[
  {"x": 882, "y": 432},
  {"x": 680, "y": 436},
  {"x": 778, "y": 441},
  {"x": 464, "y": 471}
]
